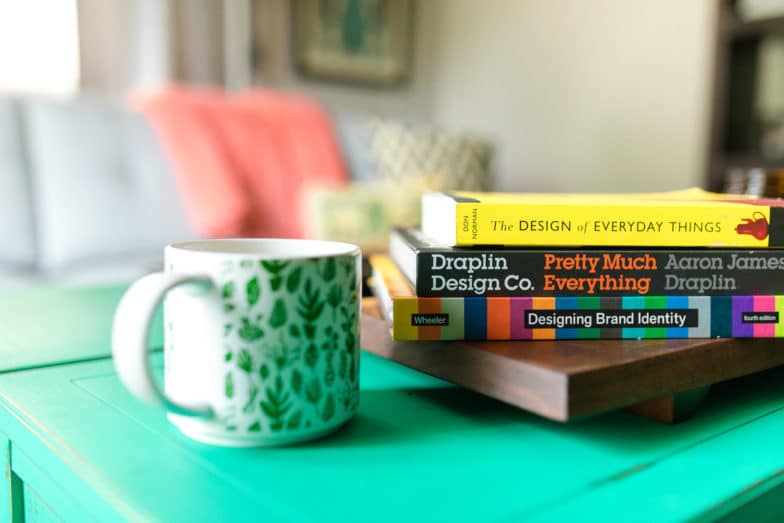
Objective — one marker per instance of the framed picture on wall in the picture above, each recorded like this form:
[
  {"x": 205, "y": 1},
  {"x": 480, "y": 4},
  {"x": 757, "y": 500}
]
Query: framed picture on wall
[{"x": 364, "y": 41}]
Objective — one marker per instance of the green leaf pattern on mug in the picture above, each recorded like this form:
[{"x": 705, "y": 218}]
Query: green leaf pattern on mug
[
  {"x": 294, "y": 420},
  {"x": 329, "y": 408},
  {"x": 310, "y": 303},
  {"x": 276, "y": 404},
  {"x": 330, "y": 269},
  {"x": 254, "y": 391},
  {"x": 274, "y": 267},
  {"x": 252, "y": 291},
  {"x": 313, "y": 391},
  {"x": 292, "y": 282},
  {"x": 296, "y": 381},
  {"x": 296, "y": 365},
  {"x": 244, "y": 361},
  {"x": 311, "y": 356},
  {"x": 249, "y": 331},
  {"x": 278, "y": 316},
  {"x": 229, "y": 386},
  {"x": 329, "y": 376}
]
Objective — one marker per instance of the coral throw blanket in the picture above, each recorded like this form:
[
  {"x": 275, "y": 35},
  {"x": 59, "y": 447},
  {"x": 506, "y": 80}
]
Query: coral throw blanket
[{"x": 241, "y": 160}]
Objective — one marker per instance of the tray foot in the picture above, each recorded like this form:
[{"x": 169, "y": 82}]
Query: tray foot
[{"x": 673, "y": 408}]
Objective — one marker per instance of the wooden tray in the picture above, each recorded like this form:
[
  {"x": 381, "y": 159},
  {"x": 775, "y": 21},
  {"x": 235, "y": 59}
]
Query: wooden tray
[{"x": 562, "y": 380}]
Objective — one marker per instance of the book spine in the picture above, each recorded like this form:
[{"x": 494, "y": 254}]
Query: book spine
[
  {"x": 652, "y": 225},
  {"x": 587, "y": 318},
  {"x": 520, "y": 273}
]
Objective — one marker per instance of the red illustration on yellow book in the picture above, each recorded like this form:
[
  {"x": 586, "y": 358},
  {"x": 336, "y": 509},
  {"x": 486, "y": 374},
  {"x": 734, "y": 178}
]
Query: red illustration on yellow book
[{"x": 756, "y": 226}]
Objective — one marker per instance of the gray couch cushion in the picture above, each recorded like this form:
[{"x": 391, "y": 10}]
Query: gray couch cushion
[
  {"x": 17, "y": 240},
  {"x": 101, "y": 186}
]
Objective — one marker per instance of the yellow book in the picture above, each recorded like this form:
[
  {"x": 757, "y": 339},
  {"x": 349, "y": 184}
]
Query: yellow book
[{"x": 687, "y": 218}]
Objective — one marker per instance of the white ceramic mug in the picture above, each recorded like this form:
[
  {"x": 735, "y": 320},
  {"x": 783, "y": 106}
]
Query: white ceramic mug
[{"x": 261, "y": 338}]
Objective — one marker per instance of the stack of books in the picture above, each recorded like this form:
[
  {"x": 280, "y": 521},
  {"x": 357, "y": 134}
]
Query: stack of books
[{"x": 492, "y": 266}]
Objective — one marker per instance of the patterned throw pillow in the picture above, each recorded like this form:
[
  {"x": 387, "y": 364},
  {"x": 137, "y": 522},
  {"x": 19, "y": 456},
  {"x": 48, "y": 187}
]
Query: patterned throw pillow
[{"x": 406, "y": 151}]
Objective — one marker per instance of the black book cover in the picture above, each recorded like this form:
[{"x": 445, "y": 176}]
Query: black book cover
[{"x": 441, "y": 271}]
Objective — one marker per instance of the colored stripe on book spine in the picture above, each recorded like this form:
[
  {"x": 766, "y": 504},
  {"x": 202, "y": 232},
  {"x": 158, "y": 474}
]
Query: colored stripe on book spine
[
  {"x": 613, "y": 303},
  {"x": 588, "y": 303},
  {"x": 721, "y": 316},
  {"x": 633, "y": 302},
  {"x": 498, "y": 319},
  {"x": 517, "y": 308},
  {"x": 430, "y": 306},
  {"x": 655, "y": 302},
  {"x": 704, "y": 315},
  {"x": 741, "y": 304},
  {"x": 566, "y": 333},
  {"x": 764, "y": 304},
  {"x": 457, "y": 319},
  {"x": 404, "y": 310},
  {"x": 475, "y": 312},
  {"x": 780, "y": 309},
  {"x": 543, "y": 334},
  {"x": 677, "y": 302}
]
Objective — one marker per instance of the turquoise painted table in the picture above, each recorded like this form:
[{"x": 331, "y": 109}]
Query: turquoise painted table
[
  {"x": 47, "y": 326},
  {"x": 79, "y": 448}
]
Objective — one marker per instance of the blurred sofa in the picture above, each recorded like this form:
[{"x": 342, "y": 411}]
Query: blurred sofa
[
  {"x": 87, "y": 195},
  {"x": 85, "y": 192}
]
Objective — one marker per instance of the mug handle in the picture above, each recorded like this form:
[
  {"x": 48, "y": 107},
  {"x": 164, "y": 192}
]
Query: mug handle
[{"x": 130, "y": 331}]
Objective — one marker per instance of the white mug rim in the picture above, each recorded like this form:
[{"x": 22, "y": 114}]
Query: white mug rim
[{"x": 267, "y": 248}]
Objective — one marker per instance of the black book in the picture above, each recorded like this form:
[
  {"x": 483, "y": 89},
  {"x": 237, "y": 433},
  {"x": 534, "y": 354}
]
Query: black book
[{"x": 441, "y": 271}]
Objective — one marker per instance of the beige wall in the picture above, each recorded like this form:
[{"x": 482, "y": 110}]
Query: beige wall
[{"x": 600, "y": 95}]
